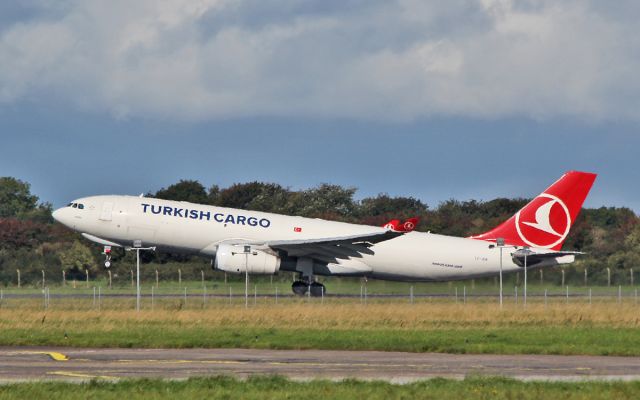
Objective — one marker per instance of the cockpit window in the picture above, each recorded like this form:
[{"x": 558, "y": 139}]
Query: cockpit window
[
  {"x": 69, "y": 205},
  {"x": 81, "y": 206},
  {"x": 74, "y": 205}
]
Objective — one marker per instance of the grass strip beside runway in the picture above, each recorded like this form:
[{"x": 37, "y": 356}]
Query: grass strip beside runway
[
  {"x": 281, "y": 388},
  {"x": 598, "y": 329}
]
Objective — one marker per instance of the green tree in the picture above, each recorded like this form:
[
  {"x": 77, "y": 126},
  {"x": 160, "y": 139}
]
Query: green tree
[
  {"x": 257, "y": 196},
  {"x": 185, "y": 190},
  {"x": 324, "y": 201},
  {"x": 77, "y": 257},
  {"x": 385, "y": 205},
  {"x": 16, "y": 199}
]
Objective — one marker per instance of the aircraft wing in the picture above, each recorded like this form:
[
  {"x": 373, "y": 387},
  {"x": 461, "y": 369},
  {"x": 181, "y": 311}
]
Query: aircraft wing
[{"x": 330, "y": 249}]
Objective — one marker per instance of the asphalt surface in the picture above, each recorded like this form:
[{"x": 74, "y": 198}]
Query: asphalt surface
[{"x": 78, "y": 364}]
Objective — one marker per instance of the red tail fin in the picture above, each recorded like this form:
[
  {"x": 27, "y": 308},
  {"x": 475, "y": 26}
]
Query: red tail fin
[
  {"x": 406, "y": 226},
  {"x": 546, "y": 220}
]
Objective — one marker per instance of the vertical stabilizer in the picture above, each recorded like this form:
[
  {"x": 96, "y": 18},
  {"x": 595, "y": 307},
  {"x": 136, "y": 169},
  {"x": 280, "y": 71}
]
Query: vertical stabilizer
[{"x": 545, "y": 222}]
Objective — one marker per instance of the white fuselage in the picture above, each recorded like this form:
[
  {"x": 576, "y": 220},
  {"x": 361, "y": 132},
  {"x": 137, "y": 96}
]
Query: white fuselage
[{"x": 199, "y": 229}]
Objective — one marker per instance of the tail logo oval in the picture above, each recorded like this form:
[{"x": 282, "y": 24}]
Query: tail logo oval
[{"x": 544, "y": 223}]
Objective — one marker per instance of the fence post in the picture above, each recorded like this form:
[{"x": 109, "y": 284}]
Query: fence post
[
  {"x": 94, "y": 297},
  {"x": 86, "y": 271},
  {"x": 545, "y": 297},
  {"x": 562, "y": 270},
  {"x": 64, "y": 278},
  {"x": 608, "y": 276},
  {"x": 365, "y": 292},
  {"x": 99, "y": 297},
  {"x": 619, "y": 294},
  {"x": 456, "y": 291},
  {"x": 411, "y": 294},
  {"x": 585, "y": 276},
  {"x": 255, "y": 294},
  {"x": 43, "y": 279},
  {"x": 109, "y": 278},
  {"x": 18, "y": 271},
  {"x": 516, "y": 290},
  {"x": 152, "y": 298},
  {"x": 157, "y": 280},
  {"x": 589, "y": 295},
  {"x": 541, "y": 278},
  {"x": 567, "y": 294},
  {"x": 204, "y": 295},
  {"x": 132, "y": 283},
  {"x": 179, "y": 277},
  {"x": 631, "y": 275},
  {"x": 276, "y": 295},
  {"x": 202, "y": 275},
  {"x": 185, "y": 297},
  {"x": 464, "y": 294}
]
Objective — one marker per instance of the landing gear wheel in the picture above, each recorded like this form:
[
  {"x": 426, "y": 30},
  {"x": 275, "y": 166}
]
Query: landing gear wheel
[
  {"x": 300, "y": 288},
  {"x": 318, "y": 289}
]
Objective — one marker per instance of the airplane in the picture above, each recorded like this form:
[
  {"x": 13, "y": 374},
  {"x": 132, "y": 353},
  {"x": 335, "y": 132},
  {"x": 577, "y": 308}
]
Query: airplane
[{"x": 252, "y": 242}]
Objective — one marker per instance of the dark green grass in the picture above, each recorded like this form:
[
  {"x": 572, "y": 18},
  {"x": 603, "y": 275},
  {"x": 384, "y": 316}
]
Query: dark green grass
[
  {"x": 281, "y": 388},
  {"x": 521, "y": 339}
]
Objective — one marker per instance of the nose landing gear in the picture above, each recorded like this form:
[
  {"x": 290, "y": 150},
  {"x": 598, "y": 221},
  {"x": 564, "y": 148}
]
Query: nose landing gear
[{"x": 107, "y": 254}]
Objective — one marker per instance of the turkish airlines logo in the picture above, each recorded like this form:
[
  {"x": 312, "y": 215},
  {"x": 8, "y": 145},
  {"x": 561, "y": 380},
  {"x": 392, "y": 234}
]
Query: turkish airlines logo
[{"x": 544, "y": 223}]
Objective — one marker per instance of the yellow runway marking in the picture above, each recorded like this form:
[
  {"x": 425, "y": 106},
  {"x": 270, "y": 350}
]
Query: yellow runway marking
[
  {"x": 53, "y": 354},
  {"x": 80, "y": 375}
]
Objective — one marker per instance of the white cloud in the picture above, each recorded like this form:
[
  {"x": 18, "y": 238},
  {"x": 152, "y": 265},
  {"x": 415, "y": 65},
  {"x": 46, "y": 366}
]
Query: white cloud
[{"x": 209, "y": 59}]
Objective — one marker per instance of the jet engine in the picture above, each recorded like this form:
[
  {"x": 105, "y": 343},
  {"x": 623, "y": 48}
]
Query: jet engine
[{"x": 239, "y": 259}]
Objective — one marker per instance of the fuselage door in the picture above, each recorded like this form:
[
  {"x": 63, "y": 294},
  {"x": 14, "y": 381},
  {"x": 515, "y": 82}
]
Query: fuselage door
[{"x": 107, "y": 209}]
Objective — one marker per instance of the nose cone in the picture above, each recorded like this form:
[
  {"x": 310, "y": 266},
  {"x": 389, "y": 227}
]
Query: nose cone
[
  {"x": 56, "y": 214},
  {"x": 62, "y": 216}
]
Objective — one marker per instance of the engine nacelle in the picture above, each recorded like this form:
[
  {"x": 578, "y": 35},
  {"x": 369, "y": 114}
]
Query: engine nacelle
[{"x": 233, "y": 259}]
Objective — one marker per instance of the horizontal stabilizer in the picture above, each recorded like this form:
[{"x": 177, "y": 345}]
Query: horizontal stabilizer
[{"x": 533, "y": 258}]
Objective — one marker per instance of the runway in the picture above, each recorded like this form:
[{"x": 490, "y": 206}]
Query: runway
[{"x": 80, "y": 364}]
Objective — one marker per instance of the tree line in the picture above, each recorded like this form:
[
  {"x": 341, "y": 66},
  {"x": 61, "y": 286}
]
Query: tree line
[{"x": 32, "y": 242}]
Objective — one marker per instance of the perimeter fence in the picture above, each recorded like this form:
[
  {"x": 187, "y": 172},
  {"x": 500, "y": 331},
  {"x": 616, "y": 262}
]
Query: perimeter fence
[{"x": 207, "y": 294}]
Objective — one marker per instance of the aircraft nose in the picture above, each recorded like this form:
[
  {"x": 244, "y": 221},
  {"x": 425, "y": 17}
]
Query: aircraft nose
[{"x": 57, "y": 215}]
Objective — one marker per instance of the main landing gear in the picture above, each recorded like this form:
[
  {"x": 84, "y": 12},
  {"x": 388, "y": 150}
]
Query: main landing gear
[{"x": 302, "y": 288}]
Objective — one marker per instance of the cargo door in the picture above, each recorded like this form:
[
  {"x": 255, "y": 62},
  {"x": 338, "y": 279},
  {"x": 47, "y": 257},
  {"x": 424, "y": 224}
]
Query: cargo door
[{"x": 107, "y": 210}]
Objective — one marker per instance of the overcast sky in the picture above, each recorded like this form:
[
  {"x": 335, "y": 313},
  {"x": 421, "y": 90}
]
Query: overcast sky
[{"x": 431, "y": 99}]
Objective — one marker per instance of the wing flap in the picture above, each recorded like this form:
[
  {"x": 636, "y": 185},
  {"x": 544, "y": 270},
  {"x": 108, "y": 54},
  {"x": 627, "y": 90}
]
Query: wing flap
[{"x": 331, "y": 249}]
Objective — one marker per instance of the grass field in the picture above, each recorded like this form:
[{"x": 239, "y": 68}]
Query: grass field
[
  {"x": 280, "y": 388},
  {"x": 602, "y": 328}
]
